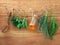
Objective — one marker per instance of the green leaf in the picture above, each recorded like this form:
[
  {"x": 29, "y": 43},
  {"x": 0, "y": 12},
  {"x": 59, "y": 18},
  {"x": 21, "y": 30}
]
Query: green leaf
[
  {"x": 19, "y": 26},
  {"x": 24, "y": 23}
]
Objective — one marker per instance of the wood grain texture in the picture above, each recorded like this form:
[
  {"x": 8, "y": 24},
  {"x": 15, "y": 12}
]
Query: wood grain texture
[
  {"x": 22, "y": 36},
  {"x": 27, "y": 38}
]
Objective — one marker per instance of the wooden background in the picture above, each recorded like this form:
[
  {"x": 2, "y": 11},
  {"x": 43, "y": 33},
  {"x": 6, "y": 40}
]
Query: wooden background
[{"x": 23, "y": 37}]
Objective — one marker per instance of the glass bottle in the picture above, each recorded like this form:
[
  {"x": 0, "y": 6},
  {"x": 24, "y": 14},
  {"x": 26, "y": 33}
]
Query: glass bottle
[{"x": 32, "y": 24}]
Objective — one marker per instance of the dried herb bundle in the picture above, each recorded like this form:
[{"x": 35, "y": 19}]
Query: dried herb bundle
[
  {"x": 52, "y": 27},
  {"x": 40, "y": 22},
  {"x": 24, "y": 23},
  {"x": 45, "y": 25},
  {"x": 16, "y": 21}
]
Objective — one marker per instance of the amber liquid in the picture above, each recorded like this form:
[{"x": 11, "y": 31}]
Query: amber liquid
[{"x": 32, "y": 27}]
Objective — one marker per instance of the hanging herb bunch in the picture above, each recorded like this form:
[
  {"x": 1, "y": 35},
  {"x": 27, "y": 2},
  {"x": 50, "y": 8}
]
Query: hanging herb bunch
[
  {"x": 40, "y": 21},
  {"x": 18, "y": 22},
  {"x": 53, "y": 26},
  {"x": 43, "y": 23},
  {"x": 24, "y": 23}
]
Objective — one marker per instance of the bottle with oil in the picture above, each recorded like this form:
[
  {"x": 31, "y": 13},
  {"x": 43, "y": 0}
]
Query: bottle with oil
[{"x": 32, "y": 24}]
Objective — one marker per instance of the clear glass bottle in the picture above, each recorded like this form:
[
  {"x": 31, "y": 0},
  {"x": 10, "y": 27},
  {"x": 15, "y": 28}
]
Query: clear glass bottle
[{"x": 32, "y": 24}]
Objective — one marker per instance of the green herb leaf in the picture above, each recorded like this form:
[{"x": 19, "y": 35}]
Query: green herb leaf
[
  {"x": 24, "y": 23},
  {"x": 45, "y": 25}
]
